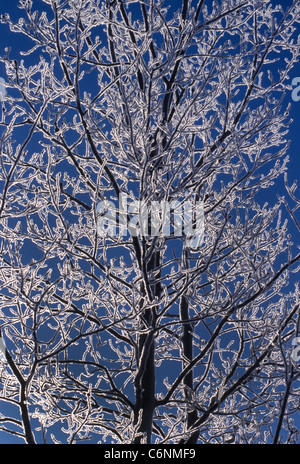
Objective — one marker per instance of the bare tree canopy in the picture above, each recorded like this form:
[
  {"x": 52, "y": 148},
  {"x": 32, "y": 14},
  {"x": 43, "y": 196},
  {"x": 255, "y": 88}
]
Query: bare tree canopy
[{"x": 148, "y": 289}]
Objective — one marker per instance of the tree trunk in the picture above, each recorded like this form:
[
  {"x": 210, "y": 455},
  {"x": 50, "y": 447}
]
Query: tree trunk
[
  {"x": 145, "y": 383},
  {"x": 187, "y": 346},
  {"x": 145, "y": 378}
]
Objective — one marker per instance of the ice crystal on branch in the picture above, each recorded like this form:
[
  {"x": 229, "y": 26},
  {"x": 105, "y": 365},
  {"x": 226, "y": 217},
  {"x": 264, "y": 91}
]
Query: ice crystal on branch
[{"x": 132, "y": 336}]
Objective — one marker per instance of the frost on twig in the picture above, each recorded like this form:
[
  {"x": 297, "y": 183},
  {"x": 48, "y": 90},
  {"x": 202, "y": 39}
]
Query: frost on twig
[{"x": 120, "y": 326}]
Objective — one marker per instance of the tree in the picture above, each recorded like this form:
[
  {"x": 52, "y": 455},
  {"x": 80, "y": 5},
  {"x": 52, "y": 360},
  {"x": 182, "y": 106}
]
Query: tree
[{"x": 156, "y": 334}]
